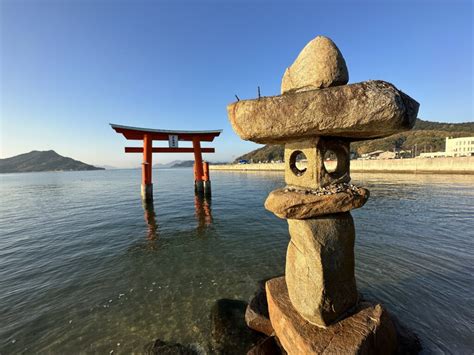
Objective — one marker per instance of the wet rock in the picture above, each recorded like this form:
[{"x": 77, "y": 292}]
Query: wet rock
[
  {"x": 160, "y": 347},
  {"x": 408, "y": 341},
  {"x": 309, "y": 204},
  {"x": 319, "y": 65},
  {"x": 256, "y": 314},
  {"x": 367, "y": 330},
  {"x": 229, "y": 333},
  {"x": 366, "y": 110},
  {"x": 320, "y": 267},
  {"x": 269, "y": 346}
]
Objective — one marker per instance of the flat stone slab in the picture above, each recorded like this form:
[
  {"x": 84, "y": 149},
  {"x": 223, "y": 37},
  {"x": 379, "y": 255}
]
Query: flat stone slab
[
  {"x": 369, "y": 330},
  {"x": 367, "y": 110},
  {"x": 303, "y": 204}
]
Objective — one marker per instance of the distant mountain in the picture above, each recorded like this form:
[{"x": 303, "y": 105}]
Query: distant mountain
[
  {"x": 266, "y": 153},
  {"x": 176, "y": 164},
  {"x": 42, "y": 161},
  {"x": 426, "y": 136},
  {"x": 108, "y": 167},
  {"x": 184, "y": 164},
  {"x": 167, "y": 165},
  {"x": 421, "y": 125}
]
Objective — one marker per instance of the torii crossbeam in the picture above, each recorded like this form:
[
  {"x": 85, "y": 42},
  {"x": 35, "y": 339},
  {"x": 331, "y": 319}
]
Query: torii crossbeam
[{"x": 202, "y": 182}]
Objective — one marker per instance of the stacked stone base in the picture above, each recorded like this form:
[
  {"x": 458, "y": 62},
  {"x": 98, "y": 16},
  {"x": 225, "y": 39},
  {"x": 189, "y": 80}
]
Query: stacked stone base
[{"x": 367, "y": 330}]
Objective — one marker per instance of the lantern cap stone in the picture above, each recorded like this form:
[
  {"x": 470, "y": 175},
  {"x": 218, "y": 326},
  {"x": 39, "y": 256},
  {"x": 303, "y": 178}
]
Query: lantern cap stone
[
  {"x": 319, "y": 65},
  {"x": 366, "y": 110}
]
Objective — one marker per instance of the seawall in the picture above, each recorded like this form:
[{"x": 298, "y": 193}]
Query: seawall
[{"x": 460, "y": 165}]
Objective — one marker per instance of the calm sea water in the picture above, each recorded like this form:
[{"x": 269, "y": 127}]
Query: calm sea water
[{"x": 84, "y": 267}]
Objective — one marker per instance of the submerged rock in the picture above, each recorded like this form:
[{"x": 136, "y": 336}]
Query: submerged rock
[
  {"x": 160, "y": 347},
  {"x": 256, "y": 314},
  {"x": 229, "y": 333},
  {"x": 319, "y": 65},
  {"x": 269, "y": 346},
  {"x": 408, "y": 341}
]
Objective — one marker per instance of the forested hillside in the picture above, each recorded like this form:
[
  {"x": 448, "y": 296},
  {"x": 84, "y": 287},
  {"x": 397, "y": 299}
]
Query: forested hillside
[{"x": 426, "y": 136}]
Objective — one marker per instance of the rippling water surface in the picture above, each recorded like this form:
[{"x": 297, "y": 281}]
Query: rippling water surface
[{"x": 84, "y": 267}]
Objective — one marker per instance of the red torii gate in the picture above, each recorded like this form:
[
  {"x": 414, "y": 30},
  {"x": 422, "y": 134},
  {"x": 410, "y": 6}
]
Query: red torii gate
[{"x": 202, "y": 182}]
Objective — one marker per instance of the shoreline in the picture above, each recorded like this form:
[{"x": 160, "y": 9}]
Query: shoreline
[{"x": 458, "y": 165}]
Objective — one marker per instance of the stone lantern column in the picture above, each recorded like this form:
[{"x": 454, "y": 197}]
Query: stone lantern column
[{"x": 315, "y": 307}]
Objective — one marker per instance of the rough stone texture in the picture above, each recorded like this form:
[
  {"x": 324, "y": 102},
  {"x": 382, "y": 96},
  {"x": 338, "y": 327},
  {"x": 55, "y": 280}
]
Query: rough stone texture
[
  {"x": 256, "y": 314},
  {"x": 229, "y": 333},
  {"x": 319, "y": 65},
  {"x": 368, "y": 330},
  {"x": 320, "y": 267},
  {"x": 315, "y": 174},
  {"x": 366, "y": 110},
  {"x": 297, "y": 205}
]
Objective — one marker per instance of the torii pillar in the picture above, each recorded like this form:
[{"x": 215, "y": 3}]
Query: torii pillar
[
  {"x": 147, "y": 166},
  {"x": 202, "y": 182}
]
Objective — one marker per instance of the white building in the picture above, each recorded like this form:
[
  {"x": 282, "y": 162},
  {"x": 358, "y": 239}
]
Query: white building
[
  {"x": 455, "y": 147},
  {"x": 459, "y": 147}
]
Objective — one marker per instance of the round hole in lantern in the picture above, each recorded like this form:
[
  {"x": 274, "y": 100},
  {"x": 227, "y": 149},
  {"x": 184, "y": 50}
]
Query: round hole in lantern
[
  {"x": 297, "y": 162},
  {"x": 330, "y": 161}
]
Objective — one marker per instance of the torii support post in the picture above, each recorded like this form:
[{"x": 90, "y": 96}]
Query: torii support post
[
  {"x": 198, "y": 185},
  {"x": 147, "y": 166},
  {"x": 202, "y": 182},
  {"x": 206, "y": 179}
]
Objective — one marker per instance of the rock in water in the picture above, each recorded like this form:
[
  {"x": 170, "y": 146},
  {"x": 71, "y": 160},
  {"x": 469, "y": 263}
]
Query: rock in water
[
  {"x": 256, "y": 315},
  {"x": 229, "y": 333},
  {"x": 368, "y": 330},
  {"x": 408, "y": 341},
  {"x": 160, "y": 347},
  {"x": 319, "y": 65},
  {"x": 269, "y": 346}
]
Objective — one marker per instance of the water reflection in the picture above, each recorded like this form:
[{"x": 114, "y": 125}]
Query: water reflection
[
  {"x": 203, "y": 212},
  {"x": 150, "y": 219}
]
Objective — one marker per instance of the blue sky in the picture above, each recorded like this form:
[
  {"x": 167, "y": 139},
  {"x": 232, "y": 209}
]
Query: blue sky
[{"x": 68, "y": 68}]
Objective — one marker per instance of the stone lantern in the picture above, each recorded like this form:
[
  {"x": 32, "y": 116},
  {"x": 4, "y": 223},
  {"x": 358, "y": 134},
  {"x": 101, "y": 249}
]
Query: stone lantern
[{"x": 315, "y": 307}]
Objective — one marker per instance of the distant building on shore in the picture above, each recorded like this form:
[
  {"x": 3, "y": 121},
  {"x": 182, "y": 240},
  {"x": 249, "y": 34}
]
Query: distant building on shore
[
  {"x": 372, "y": 155},
  {"x": 380, "y": 154},
  {"x": 460, "y": 147},
  {"x": 455, "y": 147}
]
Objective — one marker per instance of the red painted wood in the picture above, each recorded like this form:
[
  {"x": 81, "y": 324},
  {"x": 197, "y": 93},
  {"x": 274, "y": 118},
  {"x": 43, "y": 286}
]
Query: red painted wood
[
  {"x": 168, "y": 150},
  {"x": 205, "y": 170},
  {"x": 197, "y": 160},
  {"x": 138, "y": 135},
  {"x": 147, "y": 159}
]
